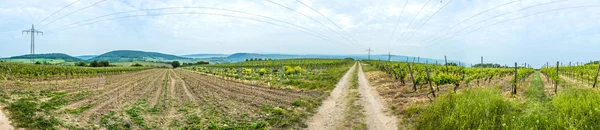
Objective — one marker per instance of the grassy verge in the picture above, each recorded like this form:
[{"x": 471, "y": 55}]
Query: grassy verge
[
  {"x": 31, "y": 112},
  {"x": 486, "y": 108},
  {"x": 326, "y": 80},
  {"x": 353, "y": 113}
]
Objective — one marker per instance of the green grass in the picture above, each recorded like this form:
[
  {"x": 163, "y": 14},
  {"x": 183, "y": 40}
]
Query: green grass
[
  {"x": 535, "y": 92},
  {"x": 78, "y": 110},
  {"x": 486, "y": 108},
  {"x": 51, "y": 61},
  {"x": 31, "y": 113},
  {"x": 324, "y": 81},
  {"x": 354, "y": 115},
  {"x": 469, "y": 109}
]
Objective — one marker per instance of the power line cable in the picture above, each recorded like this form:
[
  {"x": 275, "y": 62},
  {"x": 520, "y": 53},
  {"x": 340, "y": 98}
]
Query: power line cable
[
  {"x": 57, "y": 11},
  {"x": 529, "y": 15},
  {"x": 73, "y": 12},
  {"x": 409, "y": 23},
  {"x": 224, "y": 15},
  {"x": 330, "y": 21},
  {"x": 67, "y": 26},
  {"x": 397, "y": 21},
  {"x": 528, "y": 7},
  {"x": 482, "y": 12},
  {"x": 340, "y": 34},
  {"x": 407, "y": 38}
]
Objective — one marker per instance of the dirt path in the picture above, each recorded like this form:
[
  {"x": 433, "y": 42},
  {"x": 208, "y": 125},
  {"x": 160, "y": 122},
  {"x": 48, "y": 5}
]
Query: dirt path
[
  {"x": 331, "y": 110},
  {"x": 375, "y": 119},
  {"x": 4, "y": 122}
]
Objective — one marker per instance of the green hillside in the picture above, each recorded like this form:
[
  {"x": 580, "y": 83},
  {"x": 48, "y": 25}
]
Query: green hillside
[
  {"x": 49, "y": 56},
  {"x": 132, "y": 56}
]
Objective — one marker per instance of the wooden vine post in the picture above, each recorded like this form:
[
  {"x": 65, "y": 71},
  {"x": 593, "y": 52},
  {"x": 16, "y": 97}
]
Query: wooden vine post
[
  {"x": 556, "y": 82},
  {"x": 400, "y": 74},
  {"x": 411, "y": 77},
  {"x": 596, "y": 78},
  {"x": 446, "y": 63},
  {"x": 429, "y": 80},
  {"x": 515, "y": 81}
]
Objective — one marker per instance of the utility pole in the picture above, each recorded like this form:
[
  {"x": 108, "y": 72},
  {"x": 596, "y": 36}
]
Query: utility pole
[
  {"x": 369, "y": 51},
  {"x": 33, "y": 32},
  {"x": 389, "y": 57},
  {"x": 481, "y": 60}
]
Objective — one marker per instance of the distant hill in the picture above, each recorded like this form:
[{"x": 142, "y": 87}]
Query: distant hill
[
  {"x": 204, "y": 55},
  {"x": 86, "y": 57},
  {"x": 131, "y": 56},
  {"x": 51, "y": 56},
  {"x": 243, "y": 56},
  {"x": 237, "y": 57}
]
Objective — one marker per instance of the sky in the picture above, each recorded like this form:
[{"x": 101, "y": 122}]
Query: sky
[{"x": 502, "y": 31}]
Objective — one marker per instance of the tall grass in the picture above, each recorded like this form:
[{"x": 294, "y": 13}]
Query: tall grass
[
  {"x": 487, "y": 108},
  {"x": 469, "y": 109}
]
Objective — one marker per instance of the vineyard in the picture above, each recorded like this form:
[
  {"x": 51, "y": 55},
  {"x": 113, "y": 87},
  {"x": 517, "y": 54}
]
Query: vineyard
[
  {"x": 420, "y": 75},
  {"x": 309, "y": 74},
  {"x": 197, "y": 97},
  {"x": 12, "y": 71},
  {"x": 301, "y": 93},
  {"x": 431, "y": 96}
]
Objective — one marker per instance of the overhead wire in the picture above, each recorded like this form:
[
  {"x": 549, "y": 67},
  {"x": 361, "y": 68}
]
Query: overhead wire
[
  {"x": 411, "y": 21},
  {"x": 57, "y": 11},
  {"x": 153, "y": 9},
  {"x": 223, "y": 15},
  {"x": 330, "y": 21},
  {"x": 281, "y": 5},
  {"x": 482, "y": 12},
  {"x": 525, "y": 8},
  {"x": 407, "y": 38},
  {"x": 72, "y": 13},
  {"x": 397, "y": 22},
  {"x": 529, "y": 15}
]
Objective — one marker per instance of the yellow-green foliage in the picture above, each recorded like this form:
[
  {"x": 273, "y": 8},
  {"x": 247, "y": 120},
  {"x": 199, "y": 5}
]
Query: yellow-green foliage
[
  {"x": 292, "y": 70},
  {"x": 262, "y": 71},
  {"x": 298, "y": 69},
  {"x": 289, "y": 70},
  {"x": 247, "y": 71}
]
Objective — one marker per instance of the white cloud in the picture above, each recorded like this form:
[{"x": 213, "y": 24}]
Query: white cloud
[{"x": 369, "y": 22}]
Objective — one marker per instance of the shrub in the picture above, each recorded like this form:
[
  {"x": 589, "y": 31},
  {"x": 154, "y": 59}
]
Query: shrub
[
  {"x": 104, "y": 63},
  {"x": 137, "y": 65},
  {"x": 298, "y": 69},
  {"x": 289, "y": 70},
  {"x": 262, "y": 71},
  {"x": 81, "y": 64},
  {"x": 94, "y": 64},
  {"x": 175, "y": 64}
]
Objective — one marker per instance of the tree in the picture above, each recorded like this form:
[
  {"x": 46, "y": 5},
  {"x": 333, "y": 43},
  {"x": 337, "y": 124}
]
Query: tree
[
  {"x": 104, "y": 63},
  {"x": 137, "y": 65},
  {"x": 451, "y": 64},
  {"x": 201, "y": 63},
  {"x": 37, "y": 62},
  {"x": 94, "y": 64},
  {"x": 80, "y": 64},
  {"x": 175, "y": 64}
]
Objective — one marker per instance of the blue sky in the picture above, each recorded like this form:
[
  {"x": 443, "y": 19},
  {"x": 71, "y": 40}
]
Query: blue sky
[{"x": 567, "y": 34}]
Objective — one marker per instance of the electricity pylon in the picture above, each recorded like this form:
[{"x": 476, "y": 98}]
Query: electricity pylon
[
  {"x": 33, "y": 32},
  {"x": 369, "y": 50}
]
